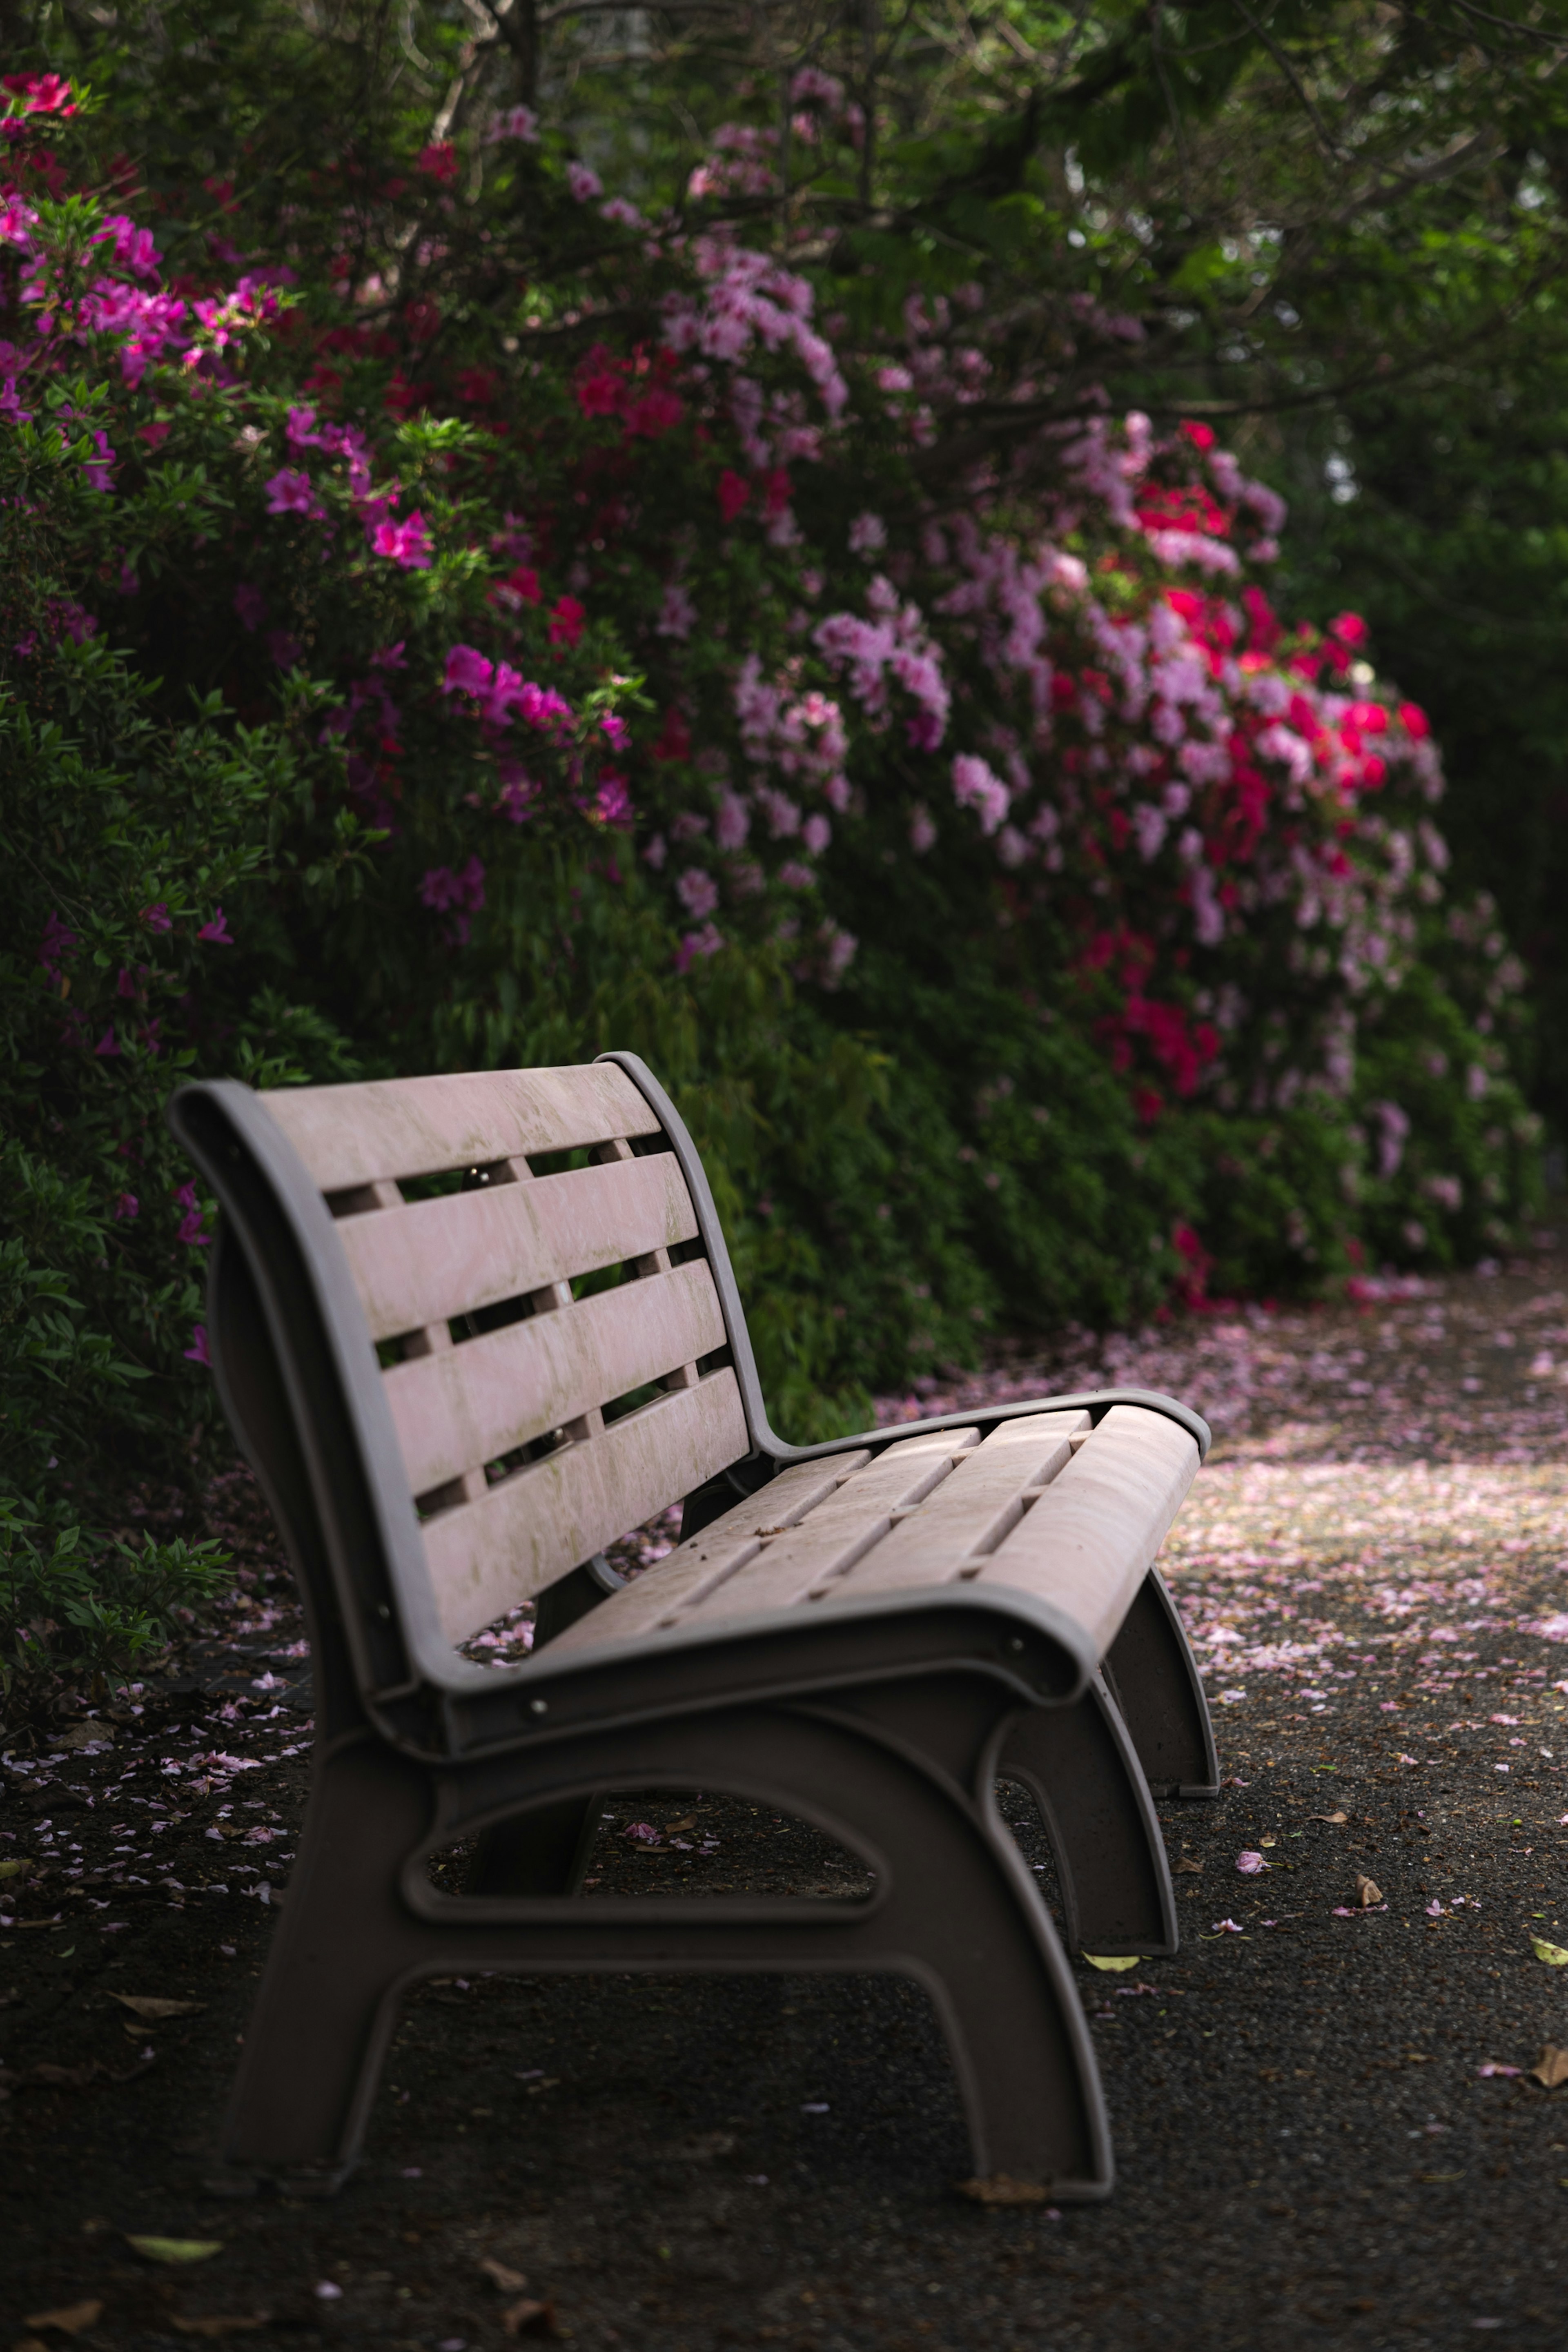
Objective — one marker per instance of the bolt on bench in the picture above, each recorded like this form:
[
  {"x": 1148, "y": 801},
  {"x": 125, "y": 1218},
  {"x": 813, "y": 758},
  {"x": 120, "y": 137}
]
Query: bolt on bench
[{"x": 865, "y": 1634}]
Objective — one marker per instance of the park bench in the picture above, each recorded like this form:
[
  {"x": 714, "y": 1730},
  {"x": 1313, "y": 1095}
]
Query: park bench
[{"x": 471, "y": 1330}]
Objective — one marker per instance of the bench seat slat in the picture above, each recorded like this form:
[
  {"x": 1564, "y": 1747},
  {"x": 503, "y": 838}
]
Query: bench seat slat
[
  {"x": 354, "y": 1135},
  {"x": 1087, "y": 1543},
  {"x": 464, "y": 1407},
  {"x": 830, "y": 1538},
  {"x": 429, "y": 1260},
  {"x": 970, "y": 1513},
  {"x": 698, "y": 1566},
  {"x": 486, "y": 1556}
]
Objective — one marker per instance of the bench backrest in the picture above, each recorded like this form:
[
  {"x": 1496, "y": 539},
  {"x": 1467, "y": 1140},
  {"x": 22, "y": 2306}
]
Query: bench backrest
[{"x": 516, "y": 1404}]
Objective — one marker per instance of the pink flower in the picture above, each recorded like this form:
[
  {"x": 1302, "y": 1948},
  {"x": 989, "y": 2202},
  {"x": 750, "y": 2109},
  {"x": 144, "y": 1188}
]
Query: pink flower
[
  {"x": 157, "y": 918},
  {"x": 191, "y": 1223},
  {"x": 696, "y": 891},
  {"x": 518, "y": 122},
  {"x": 705, "y": 942},
  {"x": 734, "y": 493},
  {"x": 616, "y": 730},
  {"x": 197, "y": 1353},
  {"x": 438, "y": 162},
  {"x": 1250, "y": 1864},
  {"x": 583, "y": 182},
  {"x": 250, "y": 604},
  {"x": 677, "y": 613},
  {"x": 975, "y": 786},
  {"x": 407, "y": 543},
  {"x": 292, "y": 492},
  {"x": 215, "y": 933},
  {"x": 1414, "y": 721},
  {"x": 107, "y": 1045},
  {"x": 866, "y": 532},
  {"x": 127, "y": 1207}
]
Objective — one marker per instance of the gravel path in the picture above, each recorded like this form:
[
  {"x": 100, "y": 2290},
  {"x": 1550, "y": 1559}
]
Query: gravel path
[{"x": 1326, "y": 2122}]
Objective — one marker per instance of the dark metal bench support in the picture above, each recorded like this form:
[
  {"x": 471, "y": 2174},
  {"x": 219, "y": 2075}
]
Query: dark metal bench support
[
  {"x": 1154, "y": 1680},
  {"x": 954, "y": 1907}
]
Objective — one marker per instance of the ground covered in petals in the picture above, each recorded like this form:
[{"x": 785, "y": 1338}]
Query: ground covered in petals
[{"x": 1335, "y": 2119}]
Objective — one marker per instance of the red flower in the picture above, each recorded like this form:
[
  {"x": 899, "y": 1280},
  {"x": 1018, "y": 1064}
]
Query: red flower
[
  {"x": 734, "y": 493},
  {"x": 675, "y": 738},
  {"x": 439, "y": 161},
  {"x": 1414, "y": 721},
  {"x": 776, "y": 492},
  {"x": 654, "y": 414},
  {"x": 600, "y": 396},
  {"x": 1350, "y": 629},
  {"x": 566, "y": 621},
  {"x": 1200, "y": 436}
]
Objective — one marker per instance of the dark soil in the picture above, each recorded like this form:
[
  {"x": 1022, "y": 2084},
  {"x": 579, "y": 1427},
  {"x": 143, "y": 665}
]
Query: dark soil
[{"x": 1308, "y": 2150}]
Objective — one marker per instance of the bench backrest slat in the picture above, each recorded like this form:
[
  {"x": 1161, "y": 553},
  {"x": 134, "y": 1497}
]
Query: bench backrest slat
[
  {"x": 457, "y": 1409},
  {"x": 395, "y": 1128},
  {"x": 487, "y": 1555},
  {"x": 472, "y": 1291},
  {"x": 423, "y": 1262}
]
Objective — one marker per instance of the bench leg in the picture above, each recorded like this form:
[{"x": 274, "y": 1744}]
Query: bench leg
[
  {"x": 1079, "y": 1765},
  {"x": 343, "y": 1945},
  {"x": 1154, "y": 1680},
  {"x": 954, "y": 1907}
]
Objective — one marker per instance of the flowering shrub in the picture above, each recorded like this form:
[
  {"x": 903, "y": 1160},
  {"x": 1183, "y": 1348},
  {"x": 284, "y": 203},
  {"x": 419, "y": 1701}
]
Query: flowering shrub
[{"x": 1031, "y": 922}]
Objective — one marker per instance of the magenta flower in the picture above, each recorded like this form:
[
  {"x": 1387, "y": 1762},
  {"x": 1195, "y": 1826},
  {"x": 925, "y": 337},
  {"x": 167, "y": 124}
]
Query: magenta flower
[
  {"x": 705, "y": 942},
  {"x": 292, "y": 492},
  {"x": 442, "y": 888},
  {"x": 467, "y": 672},
  {"x": 407, "y": 543},
  {"x": 616, "y": 730},
  {"x": 250, "y": 604},
  {"x": 613, "y": 801},
  {"x": 127, "y": 1207},
  {"x": 197, "y": 1353},
  {"x": 157, "y": 917},
  {"x": 57, "y": 942},
  {"x": 215, "y": 933},
  {"x": 108, "y": 1045}
]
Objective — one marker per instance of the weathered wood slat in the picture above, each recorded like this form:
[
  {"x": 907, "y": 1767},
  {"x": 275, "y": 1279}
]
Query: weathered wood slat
[
  {"x": 695, "y": 1570},
  {"x": 417, "y": 1127},
  {"x": 431, "y": 1259},
  {"x": 487, "y": 1556},
  {"x": 1089, "y": 1541},
  {"x": 971, "y": 1512},
  {"x": 464, "y": 1406},
  {"x": 831, "y": 1539}
]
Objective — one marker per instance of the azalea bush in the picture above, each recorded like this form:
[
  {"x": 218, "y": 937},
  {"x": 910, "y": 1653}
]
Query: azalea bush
[{"x": 407, "y": 665}]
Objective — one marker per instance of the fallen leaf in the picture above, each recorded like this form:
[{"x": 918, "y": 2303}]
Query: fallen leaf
[
  {"x": 528, "y": 2318},
  {"x": 1553, "y": 1954},
  {"x": 1001, "y": 2188},
  {"x": 499, "y": 2274},
  {"x": 1368, "y": 1891},
  {"x": 15, "y": 1869},
  {"x": 148, "y": 2005},
  {"x": 176, "y": 2250},
  {"x": 69, "y": 2078},
  {"x": 1549, "y": 2069},
  {"x": 1189, "y": 1866},
  {"x": 708, "y": 2145},
  {"x": 70, "y": 2320},
  {"x": 85, "y": 1735},
  {"x": 690, "y": 1823},
  {"x": 1328, "y": 1817},
  {"x": 1115, "y": 1962},
  {"x": 219, "y": 2323}
]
